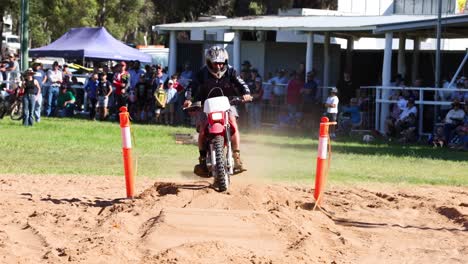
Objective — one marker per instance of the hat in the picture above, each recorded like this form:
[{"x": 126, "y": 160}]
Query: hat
[
  {"x": 170, "y": 81},
  {"x": 246, "y": 62},
  {"x": 142, "y": 75},
  {"x": 161, "y": 81},
  {"x": 333, "y": 90},
  {"x": 258, "y": 79},
  {"x": 29, "y": 71},
  {"x": 123, "y": 63},
  {"x": 11, "y": 55}
]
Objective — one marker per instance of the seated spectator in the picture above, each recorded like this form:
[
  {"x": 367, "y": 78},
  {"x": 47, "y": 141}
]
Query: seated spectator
[
  {"x": 438, "y": 138},
  {"x": 406, "y": 120},
  {"x": 453, "y": 119},
  {"x": 350, "y": 117},
  {"x": 65, "y": 103}
]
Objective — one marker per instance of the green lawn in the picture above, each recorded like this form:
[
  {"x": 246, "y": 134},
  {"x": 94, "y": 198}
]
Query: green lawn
[{"x": 77, "y": 146}]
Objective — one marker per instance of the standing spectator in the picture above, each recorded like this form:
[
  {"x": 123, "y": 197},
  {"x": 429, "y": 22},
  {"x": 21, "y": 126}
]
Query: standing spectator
[
  {"x": 91, "y": 89},
  {"x": 160, "y": 96},
  {"x": 32, "y": 90},
  {"x": 104, "y": 90},
  {"x": 159, "y": 76},
  {"x": 308, "y": 96},
  {"x": 255, "y": 107},
  {"x": 267, "y": 98},
  {"x": 135, "y": 73},
  {"x": 55, "y": 78},
  {"x": 171, "y": 100},
  {"x": 179, "y": 113},
  {"x": 41, "y": 78},
  {"x": 246, "y": 66},
  {"x": 12, "y": 71},
  {"x": 332, "y": 109},
  {"x": 347, "y": 88},
  {"x": 121, "y": 84},
  {"x": 186, "y": 76},
  {"x": 141, "y": 90},
  {"x": 66, "y": 71},
  {"x": 293, "y": 96},
  {"x": 66, "y": 103},
  {"x": 279, "y": 88}
]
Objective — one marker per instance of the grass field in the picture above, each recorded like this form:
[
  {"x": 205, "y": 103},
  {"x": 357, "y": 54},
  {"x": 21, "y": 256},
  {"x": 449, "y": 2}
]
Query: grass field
[{"x": 76, "y": 146}]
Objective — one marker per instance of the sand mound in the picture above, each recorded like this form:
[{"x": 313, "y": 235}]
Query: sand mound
[{"x": 79, "y": 219}]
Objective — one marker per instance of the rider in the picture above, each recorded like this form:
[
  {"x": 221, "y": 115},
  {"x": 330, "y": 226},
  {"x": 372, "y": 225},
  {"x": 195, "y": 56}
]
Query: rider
[{"x": 217, "y": 73}]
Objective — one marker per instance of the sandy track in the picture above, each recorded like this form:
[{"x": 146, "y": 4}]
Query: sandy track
[{"x": 57, "y": 219}]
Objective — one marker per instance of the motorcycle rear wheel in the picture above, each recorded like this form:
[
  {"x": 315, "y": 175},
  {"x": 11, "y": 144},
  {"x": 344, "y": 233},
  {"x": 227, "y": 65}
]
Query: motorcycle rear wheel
[{"x": 222, "y": 175}]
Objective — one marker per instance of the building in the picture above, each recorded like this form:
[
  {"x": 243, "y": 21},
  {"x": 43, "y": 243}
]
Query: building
[{"x": 329, "y": 40}]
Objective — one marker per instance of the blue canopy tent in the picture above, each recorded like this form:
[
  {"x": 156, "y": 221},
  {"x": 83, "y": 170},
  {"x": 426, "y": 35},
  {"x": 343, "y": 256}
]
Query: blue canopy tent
[{"x": 93, "y": 43}]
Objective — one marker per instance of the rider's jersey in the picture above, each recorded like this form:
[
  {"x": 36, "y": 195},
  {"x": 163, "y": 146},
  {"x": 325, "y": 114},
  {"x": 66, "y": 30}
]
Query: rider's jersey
[{"x": 203, "y": 82}]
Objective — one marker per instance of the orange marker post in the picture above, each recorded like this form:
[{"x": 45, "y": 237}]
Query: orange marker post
[
  {"x": 322, "y": 158},
  {"x": 127, "y": 151}
]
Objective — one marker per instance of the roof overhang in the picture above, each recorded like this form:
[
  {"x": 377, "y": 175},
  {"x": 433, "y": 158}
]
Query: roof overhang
[{"x": 341, "y": 26}]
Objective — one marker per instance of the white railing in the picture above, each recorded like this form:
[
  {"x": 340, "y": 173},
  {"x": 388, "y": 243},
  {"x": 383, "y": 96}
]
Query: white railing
[{"x": 383, "y": 93}]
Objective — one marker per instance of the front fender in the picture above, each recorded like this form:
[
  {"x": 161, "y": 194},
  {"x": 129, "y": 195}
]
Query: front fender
[{"x": 216, "y": 128}]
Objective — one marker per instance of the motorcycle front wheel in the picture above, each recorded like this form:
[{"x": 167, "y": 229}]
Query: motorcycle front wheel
[
  {"x": 16, "y": 110},
  {"x": 222, "y": 175}
]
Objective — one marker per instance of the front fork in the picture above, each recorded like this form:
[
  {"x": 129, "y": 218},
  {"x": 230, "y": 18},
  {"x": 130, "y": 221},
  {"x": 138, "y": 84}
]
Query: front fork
[{"x": 211, "y": 155}]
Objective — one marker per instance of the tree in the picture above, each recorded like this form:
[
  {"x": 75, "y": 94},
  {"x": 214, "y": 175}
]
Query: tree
[{"x": 8, "y": 7}]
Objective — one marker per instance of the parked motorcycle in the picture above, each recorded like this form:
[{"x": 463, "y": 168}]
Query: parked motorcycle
[{"x": 11, "y": 103}]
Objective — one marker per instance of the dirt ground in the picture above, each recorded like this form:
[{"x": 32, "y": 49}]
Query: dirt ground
[{"x": 78, "y": 219}]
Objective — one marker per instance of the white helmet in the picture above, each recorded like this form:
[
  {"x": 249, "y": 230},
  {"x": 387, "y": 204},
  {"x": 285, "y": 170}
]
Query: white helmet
[{"x": 216, "y": 54}]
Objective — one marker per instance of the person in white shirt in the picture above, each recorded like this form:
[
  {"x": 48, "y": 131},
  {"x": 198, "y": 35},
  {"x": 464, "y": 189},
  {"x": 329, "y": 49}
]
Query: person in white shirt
[
  {"x": 453, "y": 119},
  {"x": 332, "y": 109},
  {"x": 55, "y": 78},
  {"x": 406, "y": 119}
]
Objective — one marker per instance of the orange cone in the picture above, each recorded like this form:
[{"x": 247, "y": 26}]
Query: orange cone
[
  {"x": 322, "y": 159},
  {"x": 127, "y": 151}
]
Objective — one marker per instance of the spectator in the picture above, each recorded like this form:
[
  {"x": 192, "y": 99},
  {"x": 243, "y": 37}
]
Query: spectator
[
  {"x": 32, "y": 90},
  {"x": 141, "y": 90},
  {"x": 350, "y": 116},
  {"x": 347, "y": 88},
  {"x": 41, "y": 78},
  {"x": 453, "y": 119},
  {"x": 186, "y": 76},
  {"x": 246, "y": 66},
  {"x": 332, "y": 109},
  {"x": 160, "y": 96},
  {"x": 135, "y": 73},
  {"x": 179, "y": 113},
  {"x": 121, "y": 84},
  {"x": 171, "y": 100},
  {"x": 65, "y": 103},
  {"x": 279, "y": 88},
  {"x": 293, "y": 95},
  {"x": 55, "y": 78},
  {"x": 79, "y": 93},
  {"x": 406, "y": 120},
  {"x": 255, "y": 107},
  {"x": 66, "y": 71},
  {"x": 308, "y": 96},
  {"x": 438, "y": 138},
  {"x": 13, "y": 71},
  {"x": 159, "y": 76},
  {"x": 91, "y": 89},
  {"x": 104, "y": 90}
]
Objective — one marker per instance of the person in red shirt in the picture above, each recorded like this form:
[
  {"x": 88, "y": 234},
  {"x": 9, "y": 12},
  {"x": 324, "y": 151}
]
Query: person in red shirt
[
  {"x": 121, "y": 83},
  {"x": 293, "y": 95}
]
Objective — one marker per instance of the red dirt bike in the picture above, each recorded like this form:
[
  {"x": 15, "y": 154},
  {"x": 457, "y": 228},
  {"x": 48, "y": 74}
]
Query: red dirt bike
[{"x": 218, "y": 131}]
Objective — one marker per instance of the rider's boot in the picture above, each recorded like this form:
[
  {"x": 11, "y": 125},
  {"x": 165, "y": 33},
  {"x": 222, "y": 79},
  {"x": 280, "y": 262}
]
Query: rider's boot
[
  {"x": 201, "y": 169},
  {"x": 238, "y": 167}
]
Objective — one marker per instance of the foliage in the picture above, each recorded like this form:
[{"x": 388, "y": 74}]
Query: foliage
[{"x": 131, "y": 20}]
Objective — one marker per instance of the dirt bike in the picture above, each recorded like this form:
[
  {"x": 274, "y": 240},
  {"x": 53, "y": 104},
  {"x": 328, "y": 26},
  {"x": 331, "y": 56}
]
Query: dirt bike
[
  {"x": 218, "y": 131},
  {"x": 11, "y": 103}
]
